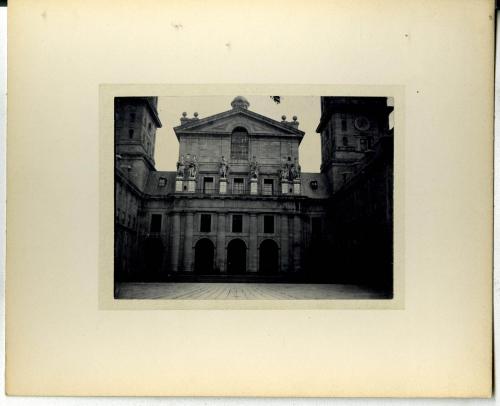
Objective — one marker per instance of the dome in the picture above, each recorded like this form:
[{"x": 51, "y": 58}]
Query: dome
[{"x": 239, "y": 102}]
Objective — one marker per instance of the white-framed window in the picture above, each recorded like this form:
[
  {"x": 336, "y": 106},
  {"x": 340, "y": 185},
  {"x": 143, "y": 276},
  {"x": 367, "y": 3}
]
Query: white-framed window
[
  {"x": 208, "y": 185},
  {"x": 267, "y": 187},
  {"x": 238, "y": 186}
]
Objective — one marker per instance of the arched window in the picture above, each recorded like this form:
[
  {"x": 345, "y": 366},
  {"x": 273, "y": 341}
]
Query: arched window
[
  {"x": 130, "y": 133},
  {"x": 239, "y": 144}
]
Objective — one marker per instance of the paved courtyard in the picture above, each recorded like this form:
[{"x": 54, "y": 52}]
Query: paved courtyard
[{"x": 244, "y": 291}]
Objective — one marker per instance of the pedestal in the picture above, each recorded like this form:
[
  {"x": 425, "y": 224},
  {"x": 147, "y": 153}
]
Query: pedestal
[
  {"x": 223, "y": 186},
  {"x": 191, "y": 184},
  {"x": 253, "y": 186},
  {"x": 296, "y": 187},
  {"x": 284, "y": 188},
  {"x": 178, "y": 184}
]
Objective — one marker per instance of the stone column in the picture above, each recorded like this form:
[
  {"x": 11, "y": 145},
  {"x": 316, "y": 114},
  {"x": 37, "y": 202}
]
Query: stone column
[
  {"x": 284, "y": 236},
  {"x": 188, "y": 243},
  {"x": 252, "y": 255},
  {"x": 175, "y": 239},
  {"x": 297, "y": 241},
  {"x": 221, "y": 242}
]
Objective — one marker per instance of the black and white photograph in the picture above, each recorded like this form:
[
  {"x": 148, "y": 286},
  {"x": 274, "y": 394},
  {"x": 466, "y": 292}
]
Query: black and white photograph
[
  {"x": 252, "y": 202},
  {"x": 231, "y": 198}
]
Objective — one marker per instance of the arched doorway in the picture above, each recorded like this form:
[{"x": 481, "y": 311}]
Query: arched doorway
[
  {"x": 204, "y": 256},
  {"x": 153, "y": 256},
  {"x": 236, "y": 256},
  {"x": 268, "y": 257}
]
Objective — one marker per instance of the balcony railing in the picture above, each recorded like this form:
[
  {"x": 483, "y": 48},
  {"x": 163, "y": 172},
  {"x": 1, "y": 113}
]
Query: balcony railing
[{"x": 239, "y": 191}]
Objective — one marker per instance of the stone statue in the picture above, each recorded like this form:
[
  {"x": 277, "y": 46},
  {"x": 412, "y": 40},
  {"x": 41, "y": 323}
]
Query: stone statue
[
  {"x": 181, "y": 166},
  {"x": 193, "y": 167},
  {"x": 224, "y": 168},
  {"x": 254, "y": 168},
  {"x": 295, "y": 170},
  {"x": 284, "y": 171}
]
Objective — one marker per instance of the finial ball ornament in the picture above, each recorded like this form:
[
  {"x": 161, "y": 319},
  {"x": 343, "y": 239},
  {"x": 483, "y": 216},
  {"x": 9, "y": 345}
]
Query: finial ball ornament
[
  {"x": 184, "y": 114},
  {"x": 294, "y": 118},
  {"x": 195, "y": 114},
  {"x": 283, "y": 117}
]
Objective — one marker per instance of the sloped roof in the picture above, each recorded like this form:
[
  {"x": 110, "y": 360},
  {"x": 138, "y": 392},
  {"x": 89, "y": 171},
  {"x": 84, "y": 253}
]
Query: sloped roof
[
  {"x": 153, "y": 183},
  {"x": 321, "y": 192},
  {"x": 203, "y": 124}
]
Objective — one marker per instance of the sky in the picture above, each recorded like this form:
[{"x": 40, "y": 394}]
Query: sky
[{"x": 306, "y": 108}]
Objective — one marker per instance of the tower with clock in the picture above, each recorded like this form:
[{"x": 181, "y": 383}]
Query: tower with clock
[{"x": 350, "y": 128}]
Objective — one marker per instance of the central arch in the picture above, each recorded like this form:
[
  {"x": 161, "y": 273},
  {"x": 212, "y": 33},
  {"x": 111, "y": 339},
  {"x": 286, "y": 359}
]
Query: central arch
[
  {"x": 204, "y": 256},
  {"x": 236, "y": 256},
  {"x": 268, "y": 257}
]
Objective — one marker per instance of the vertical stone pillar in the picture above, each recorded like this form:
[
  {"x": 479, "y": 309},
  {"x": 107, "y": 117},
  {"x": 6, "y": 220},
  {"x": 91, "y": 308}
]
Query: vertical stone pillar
[
  {"x": 174, "y": 241},
  {"x": 223, "y": 186},
  {"x": 297, "y": 241},
  {"x": 253, "y": 186},
  {"x": 191, "y": 185},
  {"x": 284, "y": 187},
  {"x": 221, "y": 242},
  {"x": 296, "y": 187},
  {"x": 178, "y": 183},
  {"x": 284, "y": 236},
  {"x": 188, "y": 243},
  {"x": 252, "y": 266}
]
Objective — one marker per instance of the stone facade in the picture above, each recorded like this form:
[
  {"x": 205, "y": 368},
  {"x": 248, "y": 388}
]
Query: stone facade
[
  {"x": 350, "y": 127},
  {"x": 237, "y": 206}
]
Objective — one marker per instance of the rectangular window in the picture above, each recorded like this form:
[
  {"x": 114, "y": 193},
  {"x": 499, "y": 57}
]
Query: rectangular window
[
  {"x": 162, "y": 182},
  {"x": 269, "y": 224},
  {"x": 208, "y": 185},
  {"x": 239, "y": 144},
  {"x": 237, "y": 223},
  {"x": 132, "y": 117},
  {"x": 238, "y": 186},
  {"x": 267, "y": 187},
  {"x": 362, "y": 144},
  {"x": 205, "y": 223},
  {"x": 155, "y": 223}
]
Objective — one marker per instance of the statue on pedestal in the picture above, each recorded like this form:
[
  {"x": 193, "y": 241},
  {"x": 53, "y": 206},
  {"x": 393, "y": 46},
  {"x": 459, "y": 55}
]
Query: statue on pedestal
[
  {"x": 223, "y": 168},
  {"x": 181, "y": 166},
  {"x": 193, "y": 167},
  {"x": 254, "y": 168},
  {"x": 295, "y": 170},
  {"x": 284, "y": 171}
]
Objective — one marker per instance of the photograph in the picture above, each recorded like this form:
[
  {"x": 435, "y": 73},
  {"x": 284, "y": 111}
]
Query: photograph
[{"x": 221, "y": 197}]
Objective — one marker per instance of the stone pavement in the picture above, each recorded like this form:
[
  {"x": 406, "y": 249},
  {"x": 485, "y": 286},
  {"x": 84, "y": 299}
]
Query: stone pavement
[{"x": 245, "y": 291}]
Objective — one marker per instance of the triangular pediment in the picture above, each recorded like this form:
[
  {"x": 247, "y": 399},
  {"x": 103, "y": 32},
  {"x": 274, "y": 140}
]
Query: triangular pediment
[{"x": 225, "y": 123}]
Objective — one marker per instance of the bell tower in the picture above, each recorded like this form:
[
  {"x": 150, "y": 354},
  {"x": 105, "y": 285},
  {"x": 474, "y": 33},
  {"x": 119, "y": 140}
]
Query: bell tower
[
  {"x": 136, "y": 122},
  {"x": 350, "y": 129}
]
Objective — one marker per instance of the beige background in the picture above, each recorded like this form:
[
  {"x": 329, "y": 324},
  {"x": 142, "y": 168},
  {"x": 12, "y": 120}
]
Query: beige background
[{"x": 59, "y": 342}]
